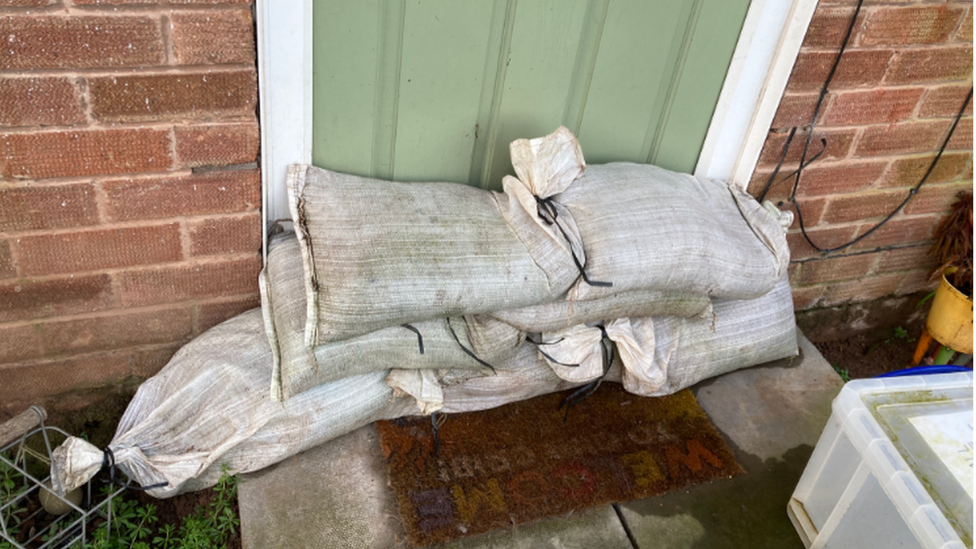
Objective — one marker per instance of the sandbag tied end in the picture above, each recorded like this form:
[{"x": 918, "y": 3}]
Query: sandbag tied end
[{"x": 547, "y": 166}]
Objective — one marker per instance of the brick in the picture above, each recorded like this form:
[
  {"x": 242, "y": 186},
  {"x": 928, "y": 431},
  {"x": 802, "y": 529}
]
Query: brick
[
  {"x": 45, "y": 101},
  {"x": 962, "y": 136},
  {"x": 877, "y": 106},
  {"x": 866, "y": 289},
  {"x": 825, "y": 238},
  {"x": 223, "y": 37},
  {"x": 899, "y": 26},
  {"x": 965, "y": 32},
  {"x": 908, "y": 171},
  {"x": 19, "y": 343},
  {"x": 838, "y": 145},
  {"x": 916, "y": 281},
  {"x": 213, "y": 313},
  {"x": 905, "y": 259},
  {"x": 147, "y": 362},
  {"x": 35, "y": 41},
  {"x": 806, "y": 298},
  {"x": 835, "y": 268},
  {"x": 844, "y": 177},
  {"x": 7, "y": 267},
  {"x": 812, "y": 210},
  {"x": 26, "y": 299},
  {"x": 856, "y": 68},
  {"x": 828, "y": 27},
  {"x": 862, "y": 206},
  {"x": 84, "y": 152},
  {"x": 31, "y": 208},
  {"x": 217, "y": 144},
  {"x": 154, "y": 2},
  {"x": 186, "y": 282},
  {"x": 936, "y": 198},
  {"x": 116, "y": 331},
  {"x": 797, "y": 110},
  {"x": 142, "y": 97},
  {"x": 944, "y": 102},
  {"x": 906, "y": 137},
  {"x": 32, "y": 382},
  {"x": 931, "y": 65},
  {"x": 226, "y": 235},
  {"x": 900, "y": 230},
  {"x": 26, "y": 3},
  {"x": 211, "y": 193},
  {"x": 100, "y": 249}
]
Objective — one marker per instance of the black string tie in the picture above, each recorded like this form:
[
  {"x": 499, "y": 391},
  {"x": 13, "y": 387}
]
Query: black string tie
[
  {"x": 420, "y": 337},
  {"x": 467, "y": 351},
  {"x": 584, "y": 392},
  {"x": 539, "y": 345},
  {"x": 108, "y": 464},
  {"x": 546, "y": 210}
]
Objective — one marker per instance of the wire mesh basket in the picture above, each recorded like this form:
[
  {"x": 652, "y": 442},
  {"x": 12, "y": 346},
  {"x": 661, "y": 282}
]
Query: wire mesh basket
[{"x": 33, "y": 513}]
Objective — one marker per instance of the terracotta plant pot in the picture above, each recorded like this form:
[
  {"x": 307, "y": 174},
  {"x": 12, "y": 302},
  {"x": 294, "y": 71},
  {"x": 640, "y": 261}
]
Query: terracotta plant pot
[{"x": 950, "y": 321}]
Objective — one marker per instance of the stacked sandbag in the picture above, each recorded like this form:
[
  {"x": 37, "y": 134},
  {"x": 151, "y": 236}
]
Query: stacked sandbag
[
  {"x": 654, "y": 356},
  {"x": 468, "y": 342},
  {"x": 395, "y": 299},
  {"x": 633, "y": 249},
  {"x": 208, "y": 411}
]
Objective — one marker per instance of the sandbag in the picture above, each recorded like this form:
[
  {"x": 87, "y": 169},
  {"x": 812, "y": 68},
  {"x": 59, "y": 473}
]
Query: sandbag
[
  {"x": 662, "y": 355},
  {"x": 742, "y": 333},
  {"x": 377, "y": 254},
  {"x": 209, "y": 406},
  {"x": 438, "y": 343},
  {"x": 564, "y": 313},
  {"x": 524, "y": 375},
  {"x": 644, "y": 227}
]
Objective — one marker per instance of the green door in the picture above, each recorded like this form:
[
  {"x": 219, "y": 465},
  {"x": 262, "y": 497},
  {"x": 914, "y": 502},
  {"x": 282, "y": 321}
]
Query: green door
[{"x": 436, "y": 89}]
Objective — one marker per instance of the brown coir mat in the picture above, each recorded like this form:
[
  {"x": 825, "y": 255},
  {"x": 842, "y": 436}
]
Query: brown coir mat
[{"x": 521, "y": 462}]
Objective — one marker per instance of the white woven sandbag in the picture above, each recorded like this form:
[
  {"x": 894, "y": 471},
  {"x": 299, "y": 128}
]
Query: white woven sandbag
[
  {"x": 563, "y": 313},
  {"x": 644, "y": 227},
  {"x": 210, "y": 407},
  {"x": 742, "y": 333},
  {"x": 521, "y": 377},
  {"x": 438, "y": 343},
  {"x": 662, "y": 355},
  {"x": 379, "y": 254}
]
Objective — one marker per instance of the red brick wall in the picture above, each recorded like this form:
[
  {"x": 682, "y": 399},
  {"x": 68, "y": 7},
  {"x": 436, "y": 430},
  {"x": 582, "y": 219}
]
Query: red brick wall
[
  {"x": 129, "y": 190},
  {"x": 901, "y": 81}
]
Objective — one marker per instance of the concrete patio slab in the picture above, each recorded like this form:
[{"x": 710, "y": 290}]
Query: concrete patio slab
[
  {"x": 772, "y": 417},
  {"x": 336, "y": 495}
]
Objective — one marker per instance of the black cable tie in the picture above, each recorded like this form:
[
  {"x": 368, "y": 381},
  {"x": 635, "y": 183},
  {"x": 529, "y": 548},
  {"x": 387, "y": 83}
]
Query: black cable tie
[
  {"x": 420, "y": 337},
  {"x": 108, "y": 463},
  {"x": 549, "y": 358},
  {"x": 585, "y": 391},
  {"x": 546, "y": 210},
  {"x": 467, "y": 351}
]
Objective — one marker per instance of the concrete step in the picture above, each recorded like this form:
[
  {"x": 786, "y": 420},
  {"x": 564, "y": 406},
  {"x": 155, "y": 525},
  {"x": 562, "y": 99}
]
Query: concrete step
[{"x": 336, "y": 495}]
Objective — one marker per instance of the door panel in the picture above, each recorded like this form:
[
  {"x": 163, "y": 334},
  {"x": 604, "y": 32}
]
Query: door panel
[{"x": 436, "y": 89}]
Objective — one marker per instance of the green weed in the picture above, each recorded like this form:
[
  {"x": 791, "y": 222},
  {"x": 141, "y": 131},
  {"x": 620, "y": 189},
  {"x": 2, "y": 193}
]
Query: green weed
[
  {"x": 843, "y": 373},
  {"x": 206, "y": 528}
]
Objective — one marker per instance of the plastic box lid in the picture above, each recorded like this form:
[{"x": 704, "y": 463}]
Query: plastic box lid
[{"x": 916, "y": 433}]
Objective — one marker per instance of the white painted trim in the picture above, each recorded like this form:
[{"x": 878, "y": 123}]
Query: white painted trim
[
  {"x": 768, "y": 45},
  {"x": 284, "y": 41}
]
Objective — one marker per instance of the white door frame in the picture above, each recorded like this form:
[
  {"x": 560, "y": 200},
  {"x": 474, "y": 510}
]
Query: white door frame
[{"x": 764, "y": 55}]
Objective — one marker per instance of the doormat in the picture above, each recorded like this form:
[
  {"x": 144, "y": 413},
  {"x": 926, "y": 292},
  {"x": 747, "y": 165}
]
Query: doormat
[{"x": 521, "y": 462}]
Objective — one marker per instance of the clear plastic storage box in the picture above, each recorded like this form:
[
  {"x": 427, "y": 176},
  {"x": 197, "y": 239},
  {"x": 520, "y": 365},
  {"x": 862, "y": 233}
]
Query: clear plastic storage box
[{"x": 893, "y": 468}]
